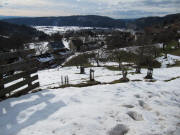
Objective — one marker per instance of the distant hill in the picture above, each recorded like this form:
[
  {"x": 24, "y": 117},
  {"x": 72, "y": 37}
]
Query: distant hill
[
  {"x": 84, "y": 21},
  {"x": 8, "y": 29},
  {"x": 161, "y": 21},
  {"x": 13, "y": 36},
  {"x": 8, "y": 17},
  {"x": 95, "y": 21}
]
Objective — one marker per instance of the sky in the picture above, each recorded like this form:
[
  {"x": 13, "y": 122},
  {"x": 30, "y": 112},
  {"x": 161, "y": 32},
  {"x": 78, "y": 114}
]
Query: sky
[{"x": 120, "y": 9}]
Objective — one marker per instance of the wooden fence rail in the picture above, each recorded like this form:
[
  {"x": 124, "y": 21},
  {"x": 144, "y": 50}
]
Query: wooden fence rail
[
  {"x": 22, "y": 65},
  {"x": 10, "y": 55},
  {"x": 26, "y": 68}
]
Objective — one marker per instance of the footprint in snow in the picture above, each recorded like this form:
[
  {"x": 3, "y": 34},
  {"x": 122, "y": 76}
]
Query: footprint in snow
[
  {"x": 128, "y": 106},
  {"x": 119, "y": 129},
  {"x": 151, "y": 134},
  {"x": 178, "y": 124},
  {"x": 135, "y": 116},
  {"x": 137, "y": 96},
  {"x": 75, "y": 100},
  {"x": 144, "y": 105}
]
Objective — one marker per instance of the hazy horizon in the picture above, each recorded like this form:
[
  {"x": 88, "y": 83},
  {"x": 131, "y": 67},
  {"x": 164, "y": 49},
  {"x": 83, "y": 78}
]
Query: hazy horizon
[
  {"x": 9, "y": 17},
  {"x": 118, "y": 9}
]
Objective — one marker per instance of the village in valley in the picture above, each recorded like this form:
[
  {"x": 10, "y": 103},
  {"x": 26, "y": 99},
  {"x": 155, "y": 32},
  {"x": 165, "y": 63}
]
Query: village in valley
[{"x": 73, "y": 80}]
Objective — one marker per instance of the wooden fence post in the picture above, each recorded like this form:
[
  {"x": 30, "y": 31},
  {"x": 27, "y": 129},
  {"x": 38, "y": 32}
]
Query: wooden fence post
[
  {"x": 82, "y": 70},
  {"x": 91, "y": 75},
  {"x": 28, "y": 69},
  {"x": 27, "y": 66}
]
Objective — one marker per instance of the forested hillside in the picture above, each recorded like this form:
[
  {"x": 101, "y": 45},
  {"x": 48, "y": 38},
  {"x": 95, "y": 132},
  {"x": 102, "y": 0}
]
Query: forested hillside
[
  {"x": 13, "y": 36},
  {"x": 96, "y": 21}
]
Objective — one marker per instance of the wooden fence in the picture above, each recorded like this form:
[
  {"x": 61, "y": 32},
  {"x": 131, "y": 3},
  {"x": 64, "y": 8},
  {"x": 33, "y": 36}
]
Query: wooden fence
[{"x": 17, "y": 77}]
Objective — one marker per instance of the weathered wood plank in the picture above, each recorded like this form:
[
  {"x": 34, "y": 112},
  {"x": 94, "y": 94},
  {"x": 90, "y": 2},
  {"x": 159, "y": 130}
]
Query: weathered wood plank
[
  {"x": 26, "y": 90},
  {"x": 17, "y": 85},
  {"x": 16, "y": 76},
  {"x": 10, "y": 55},
  {"x": 23, "y": 65}
]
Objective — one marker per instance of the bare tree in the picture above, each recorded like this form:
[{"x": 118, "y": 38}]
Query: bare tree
[
  {"x": 118, "y": 58},
  {"x": 124, "y": 73},
  {"x": 97, "y": 56},
  {"x": 139, "y": 59}
]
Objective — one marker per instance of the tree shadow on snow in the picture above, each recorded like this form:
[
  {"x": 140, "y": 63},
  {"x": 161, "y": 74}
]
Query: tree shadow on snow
[{"x": 13, "y": 118}]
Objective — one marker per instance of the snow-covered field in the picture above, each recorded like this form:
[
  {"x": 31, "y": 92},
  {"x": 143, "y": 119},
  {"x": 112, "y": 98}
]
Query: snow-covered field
[
  {"x": 144, "y": 108},
  {"x": 54, "y": 29},
  {"x": 63, "y": 29},
  {"x": 97, "y": 109},
  {"x": 52, "y": 77}
]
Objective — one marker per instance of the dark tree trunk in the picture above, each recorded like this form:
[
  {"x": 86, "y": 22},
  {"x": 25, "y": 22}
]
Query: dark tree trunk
[
  {"x": 149, "y": 73},
  {"x": 138, "y": 69},
  {"x": 124, "y": 72},
  {"x": 165, "y": 55},
  {"x": 164, "y": 47},
  {"x": 97, "y": 61},
  {"x": 124, "y": 78},
  {"x": 120, "y": 66}
]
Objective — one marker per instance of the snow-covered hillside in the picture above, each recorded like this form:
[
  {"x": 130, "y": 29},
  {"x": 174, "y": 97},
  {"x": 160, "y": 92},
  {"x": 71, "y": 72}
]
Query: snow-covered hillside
[
  {"x": 144, "y": 108},
  {"x": 138, "y": 107}
]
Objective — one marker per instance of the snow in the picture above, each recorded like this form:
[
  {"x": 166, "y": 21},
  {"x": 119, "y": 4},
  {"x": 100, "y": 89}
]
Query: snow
[
  {"x": 46, "y": 59},
  {"x": 63, "y": 29},
  {"x": 52, "y": 77},
  {"x": 54, "y": 29},
  {"x": 97, "y": 109},
  {"x": 115, "y": 64},
  {"x": 40, "y": 47},
  {"x": 159, "y": 45},
  {"x": 170, "y": 60},
  {"x": 66, "y": 43},
  {"x": 4, "y": 36}
]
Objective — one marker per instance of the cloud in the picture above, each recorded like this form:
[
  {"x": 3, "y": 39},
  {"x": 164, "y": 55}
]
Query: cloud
[
  {"x": 112, "y": 8},
  {"x": 137, "y": 13},
  {"x": 161, "y": 2}
]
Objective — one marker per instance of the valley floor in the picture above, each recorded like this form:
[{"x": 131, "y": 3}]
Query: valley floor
[{"x": 96, "y": 110}]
